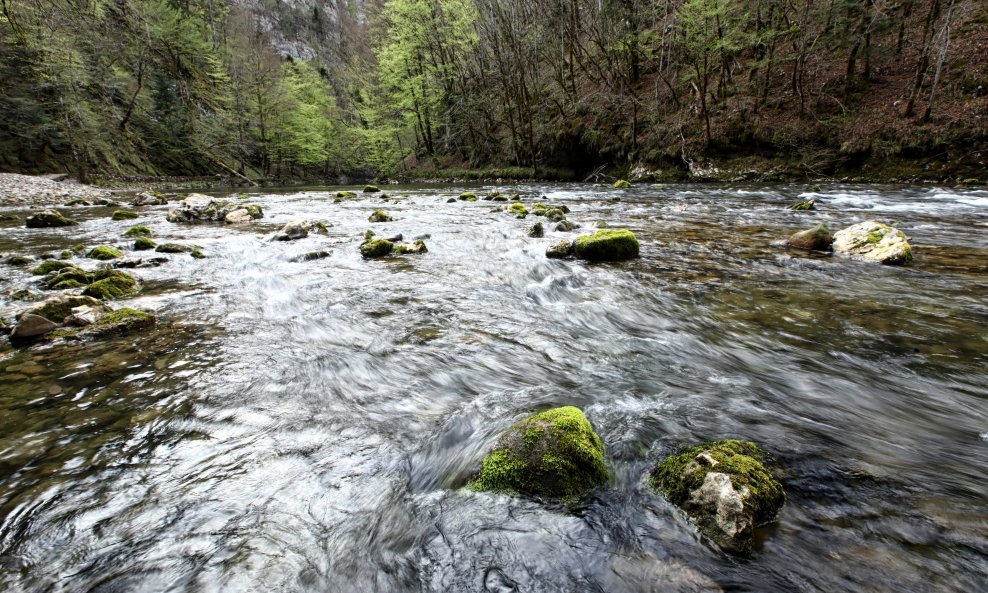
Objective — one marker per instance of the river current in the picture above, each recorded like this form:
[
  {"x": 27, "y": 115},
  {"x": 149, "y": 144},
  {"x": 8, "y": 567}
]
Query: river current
[{"x": 310, "y": 426}]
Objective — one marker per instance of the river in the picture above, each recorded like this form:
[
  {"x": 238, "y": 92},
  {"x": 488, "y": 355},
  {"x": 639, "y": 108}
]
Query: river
[{"x": 310, "y": 426}]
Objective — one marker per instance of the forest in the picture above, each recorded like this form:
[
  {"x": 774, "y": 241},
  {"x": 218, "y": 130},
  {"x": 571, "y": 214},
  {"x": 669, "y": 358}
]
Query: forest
[{"x": 269, "y": 90}]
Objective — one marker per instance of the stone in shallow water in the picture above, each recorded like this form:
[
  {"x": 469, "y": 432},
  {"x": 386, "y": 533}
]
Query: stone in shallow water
[
  {"x": 818, "y": 238},
  {"x": 607, "y": 245},
  {"x": 875, "y": 242},
  {"x": 555, "y": 453},
  {"x": 48, "y": 219},
  {"x": 31, "y": 326},
  {"x": 292, "y": 231},
  {"x": 724, "y": 488}
]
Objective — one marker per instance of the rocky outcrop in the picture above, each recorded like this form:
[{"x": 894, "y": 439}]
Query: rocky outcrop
[
  {"x": 873, "y": 241},
  {"x": 554, "y": 454},
  {"x": 724, "y": 488}
]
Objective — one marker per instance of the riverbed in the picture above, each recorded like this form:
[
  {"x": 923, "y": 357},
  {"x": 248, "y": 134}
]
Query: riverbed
[{"x": 311, "y": 425}]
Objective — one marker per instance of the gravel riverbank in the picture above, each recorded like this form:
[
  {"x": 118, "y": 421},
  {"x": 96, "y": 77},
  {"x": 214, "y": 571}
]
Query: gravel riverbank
[{"x": 29, "y": 190}]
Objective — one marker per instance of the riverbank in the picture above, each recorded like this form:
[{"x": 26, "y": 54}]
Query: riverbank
[{"x": 18, "y": 190}]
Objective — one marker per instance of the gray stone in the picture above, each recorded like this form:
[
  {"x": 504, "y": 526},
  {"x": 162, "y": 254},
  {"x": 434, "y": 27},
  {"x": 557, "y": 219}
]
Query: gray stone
[
  {"x": 874, "y": 242},
  {"x": 31, "y": 326}
]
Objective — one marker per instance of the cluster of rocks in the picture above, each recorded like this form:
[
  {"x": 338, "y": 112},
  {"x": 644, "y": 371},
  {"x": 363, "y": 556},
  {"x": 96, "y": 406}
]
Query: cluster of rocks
[
  {"x": 870, "y": 241},
  {"x": 724, "y": 487},
  {"x": 373, "y": 248},
  {"x": 199, "y": 208},
  {"x": 76, "y": 316}
]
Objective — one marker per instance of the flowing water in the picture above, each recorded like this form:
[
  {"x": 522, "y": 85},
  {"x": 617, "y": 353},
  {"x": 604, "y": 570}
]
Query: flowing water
[{"x": 310, "y": 426}]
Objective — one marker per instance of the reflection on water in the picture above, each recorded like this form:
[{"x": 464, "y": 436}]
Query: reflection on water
[{"x": 309, "y": 426}]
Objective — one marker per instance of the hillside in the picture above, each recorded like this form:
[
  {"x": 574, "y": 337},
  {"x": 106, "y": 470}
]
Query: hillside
[{"x": 317, "y": 88}]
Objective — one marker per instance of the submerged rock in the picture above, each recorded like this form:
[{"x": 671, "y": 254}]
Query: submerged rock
[
  {"x": 371, "y": 189},
  {"x": 48, "y": 219},
  {"x": 555, "y": 453},
  {"x": 18, "y": 261},
  {"x": 803, "y": 205},
  {"x": 555, "y": 214},
  {"x": 121, "y": 321},
  {"x": 535, "y": 231},
  {"x": 875, "y": 242},
  {"x": 298, "y": 229},
  {"x": 518, "y": 209},
  {"x": 346, "y": 195},
  {"x": 724, "y": 488},
  {"x": 310, "y": 256},
  {"x": 818, "y": 238},
  {"x": 468, "y": 196},
  {"x": 172, "y": 248},
  {"x": 144, "y": 244},
  {"x": 565, "y": 226},
  {"x": 607, "y": 245}
]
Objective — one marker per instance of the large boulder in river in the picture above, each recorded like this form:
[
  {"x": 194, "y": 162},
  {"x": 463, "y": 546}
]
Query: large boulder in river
[
  {"x": 607, "y": 245},
  {"x": 724, "y": 488},
  {"x": 875, "y": 242},
  {"x": 818, "y": 238},
  {"x": 555, "y": 454},
  {"x": 197, "y": 208},
  {"x": 48, "y": 219},
  {"x": 298, "y": 229}
]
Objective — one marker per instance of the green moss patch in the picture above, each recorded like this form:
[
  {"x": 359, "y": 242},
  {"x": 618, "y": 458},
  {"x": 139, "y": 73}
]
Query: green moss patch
[
  {"x": 104, "y": 253},
  {"x": 112, "y": 285},
  {"x": 380, "y": 216},
  {"x": 138, "y": 231},
  {"x": 124, "y": 215},
  {"x": 376, "y": 248},
  {"x": 622, "y": 184},
  {"x": 371, "y": 189},
  {"x": 144, "y": 244},
  {"x": 50, "y": 266},
  {"x": 518, "y": 209},
  {"x": 555, "y": 453}
]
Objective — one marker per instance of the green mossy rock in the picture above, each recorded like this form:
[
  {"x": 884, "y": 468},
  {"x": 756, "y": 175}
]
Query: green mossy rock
[
  {"x": 346, "y": 195},
  {"x": 555, "y": 214},
  {"x": 50, "y": 266},
  {"x": 138, "y": 231},
  {"x": 104, "y": 253},
  {"x": 117, "y": 322},
  {"x": 48, "y": 219},
  {"x": 560, "y": 249},
  {"x": 111, "y": 285},
  {"x": 802, "y": 205},
  {"x": 144, "y": 244},
  {"x": 724, "y": 487},
  {"x": 376, "y": 248},
  {"x": 172, "y": 248},
  {"x": 468, "y": 196},
  {"x": 77, "y": 202},
  {"x": 554, "y": 454},
  {"x": 371, "y": 189},
  {"x": 518, "y": 209},
  {"x": 607, "y": 245},
  {"x": 380, "y": 216},
  {"x": 124, "y": 215},
  {"x": 818, "y": 238},
  {"x": 70, "y": 277},
  {"x": 197, "y": 253},
  {"x": 539, "y": 209},
  {"x": 622, "y": 184},
  {"x": 78, "y": 248}
]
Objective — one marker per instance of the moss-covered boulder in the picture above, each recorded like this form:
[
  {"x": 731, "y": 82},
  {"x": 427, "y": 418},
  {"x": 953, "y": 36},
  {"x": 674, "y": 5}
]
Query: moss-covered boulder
[
  {"x": 724, "y": 488},
  {"x": 376, "y": 248},
  {"x": 802, "y": 205},
  {"x": 70, "y": 277},
  {"x": 52, "y": 265},
  {"x": 535, "y": 231},
  {"x": 539, "y": 209},
  {"x": 138, "y": 231},
  {"x": 371, "y": 189},
  {"x": 48, "y": 219},
  {"x": 874, "y": 242},
  {"x": 555, "y": 214},
  {"x": 149, "y": 198},
  {"x": 555, "y": 454},
  {"x": 144, "y": 244},
  {"x": 18, "y": 261},
  {"x": 818, "y": 238},
  {"x": 124, "y": 215},
  {"x": 565, "y": 226},
  {"x": 172, "y": 248},
  {"x": 468, "y": 196},
  {"x": 607, "y": 245},
  {"x": 380, "y": 216},
  {"x": 104, "y": 253},
  {"x": 346, "y": 195},
  {"x": 518, "y": 209},
  {"x": 622, "y": 184},
  {"x": 119, "y": 322},
  {"x": 56, "y": 309},
  {"x": 197, "y": 253},
  {"x": 112, "y": 284}
]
